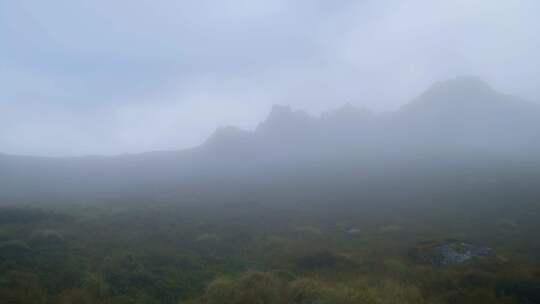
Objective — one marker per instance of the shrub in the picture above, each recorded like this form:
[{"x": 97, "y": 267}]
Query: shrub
[
  {"x": 391, "y": 292},
  {"x": 222, "y": 291},
  {"x": 251, "y": 288},
  {"x": 310, "y": 291},
  {"x": 22, "y": 288}
]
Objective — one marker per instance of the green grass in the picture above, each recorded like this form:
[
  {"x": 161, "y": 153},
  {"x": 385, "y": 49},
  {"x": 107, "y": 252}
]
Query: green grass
[{"x": 220, "y": 255}]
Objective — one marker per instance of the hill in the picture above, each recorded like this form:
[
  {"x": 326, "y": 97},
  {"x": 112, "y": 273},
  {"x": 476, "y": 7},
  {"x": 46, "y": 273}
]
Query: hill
[{"x": 450, "y": 129}]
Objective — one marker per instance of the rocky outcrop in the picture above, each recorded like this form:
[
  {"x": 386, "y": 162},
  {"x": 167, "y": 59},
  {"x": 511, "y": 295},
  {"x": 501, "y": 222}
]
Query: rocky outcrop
[{"x": 450, "y": 252}]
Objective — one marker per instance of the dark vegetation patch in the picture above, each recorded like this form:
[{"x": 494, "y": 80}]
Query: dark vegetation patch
[{"x": 13, "y": 215}]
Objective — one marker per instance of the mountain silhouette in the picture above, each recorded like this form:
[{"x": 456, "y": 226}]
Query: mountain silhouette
[
  {"x": 452, "y": 124},
  {"x": 464, "y": 108}
]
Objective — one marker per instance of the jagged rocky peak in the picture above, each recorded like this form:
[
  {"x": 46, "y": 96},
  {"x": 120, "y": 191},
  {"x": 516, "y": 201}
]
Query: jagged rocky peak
[
  {"x": 227, "y": 135},
  {"x": 283, "y": 120},
  {"x": 283, "y": 113}
]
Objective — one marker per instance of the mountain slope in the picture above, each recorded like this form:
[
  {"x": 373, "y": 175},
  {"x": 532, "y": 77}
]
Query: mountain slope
[{"x": 470, "y": 107}]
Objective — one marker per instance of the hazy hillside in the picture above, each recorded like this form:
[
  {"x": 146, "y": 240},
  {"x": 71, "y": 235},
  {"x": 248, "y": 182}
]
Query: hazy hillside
[{"x": 460, "y": 121}]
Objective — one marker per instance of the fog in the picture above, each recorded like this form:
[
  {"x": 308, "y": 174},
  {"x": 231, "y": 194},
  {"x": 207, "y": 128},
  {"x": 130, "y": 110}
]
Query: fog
[
  {"x": 269, "y": 152},
  {"x": 95, "y": 77}
]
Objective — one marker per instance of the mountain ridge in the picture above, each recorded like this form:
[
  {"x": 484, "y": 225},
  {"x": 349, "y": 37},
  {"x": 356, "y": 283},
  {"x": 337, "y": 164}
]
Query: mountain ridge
[
  {"x": 349, "y": 145},
  {"x": 457, "y": 107},
  {"x": 464, "y": 98}
]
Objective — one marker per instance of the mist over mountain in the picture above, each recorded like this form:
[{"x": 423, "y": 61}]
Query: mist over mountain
[
  {"x": 459, "y": 121},
  {"x": 465, "y": 112},
  {"x": 269, "y": 152}
]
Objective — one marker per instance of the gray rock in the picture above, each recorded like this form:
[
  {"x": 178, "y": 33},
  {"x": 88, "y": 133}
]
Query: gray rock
[
  {"x": 354, "y": 231},
  {"x": 456, "y": 253}
]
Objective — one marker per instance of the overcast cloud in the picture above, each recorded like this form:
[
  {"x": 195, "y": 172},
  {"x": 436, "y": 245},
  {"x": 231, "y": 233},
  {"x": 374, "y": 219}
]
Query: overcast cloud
[{"x": 106, "y": 77}]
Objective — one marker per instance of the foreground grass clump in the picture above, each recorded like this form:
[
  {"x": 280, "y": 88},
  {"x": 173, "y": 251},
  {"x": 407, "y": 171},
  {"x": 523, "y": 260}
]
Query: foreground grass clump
[
  {"x": 307, "y": 290},
  {"x": 252, "y": 287},
  {"x": 265, "y": 288}
]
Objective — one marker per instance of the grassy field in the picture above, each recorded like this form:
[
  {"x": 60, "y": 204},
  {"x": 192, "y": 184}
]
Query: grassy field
[{"x": 250, "y": 252}]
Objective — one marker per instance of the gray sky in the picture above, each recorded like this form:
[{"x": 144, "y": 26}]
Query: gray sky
[{"x": 106, "y": 77}]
